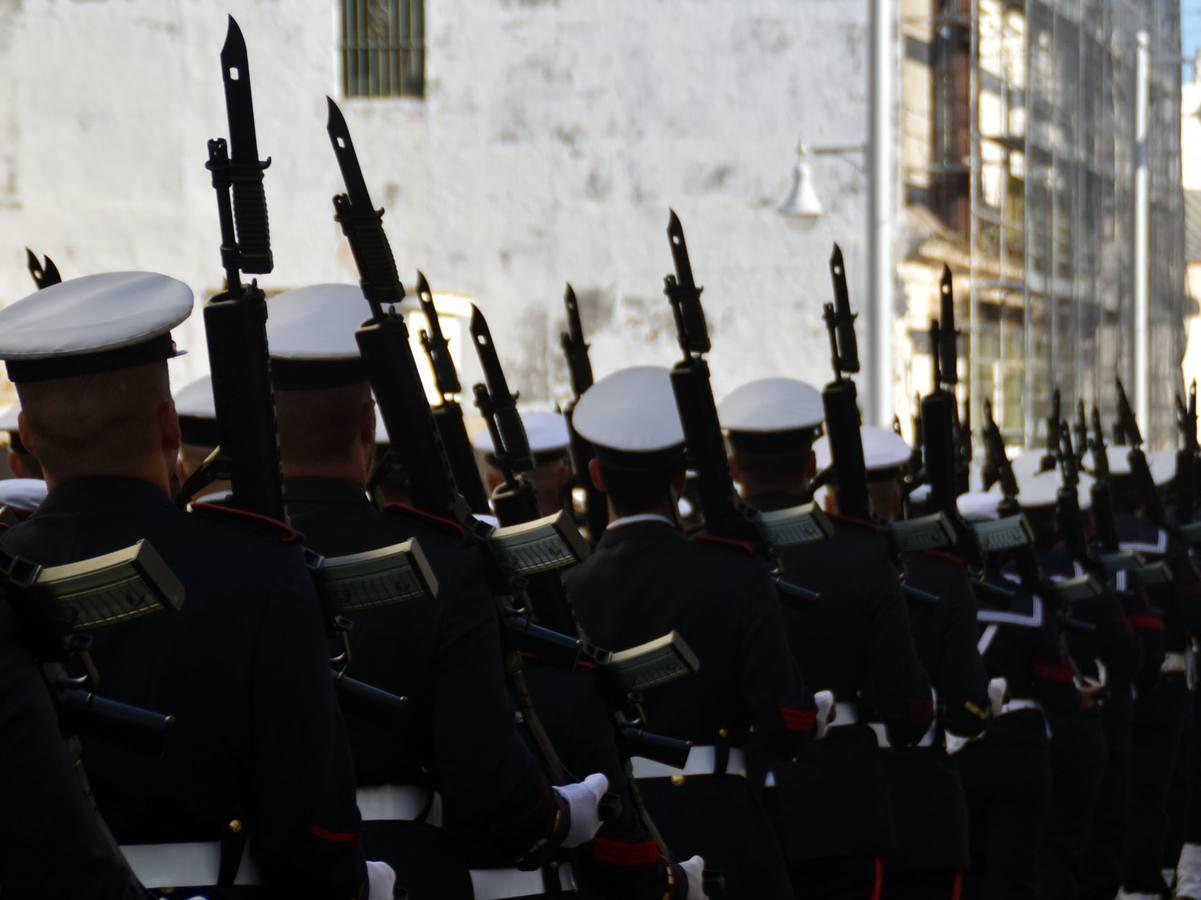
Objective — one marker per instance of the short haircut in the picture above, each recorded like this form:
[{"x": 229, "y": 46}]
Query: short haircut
[
  {"x": 773, "y": 457},
  {"x": 320, "y": 427},
  {"x": 96, "y": 423},
  {"x": 633, "y": 490}
]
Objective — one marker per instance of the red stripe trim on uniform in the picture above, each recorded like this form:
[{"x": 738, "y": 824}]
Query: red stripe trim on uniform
[
  {"x": 878, "y": 887},
  {"x": 334, "y": 837},
  {"x": 741, "y": 545},
  {"x": 404, "y": 507},
  {"x": 1145, "y": 623},
  {"x": 801, "y": 720},
  {"x": 289, "y": 533},
  {"x": 944, "y": 555},
  {"x": 624, "y": 853},
  {"x": 1058, "y": 674},
  {"x": 957, "y": 887}
]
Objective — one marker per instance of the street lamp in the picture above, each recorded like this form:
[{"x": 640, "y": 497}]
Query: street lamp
[{"x": 803, "y": 201}]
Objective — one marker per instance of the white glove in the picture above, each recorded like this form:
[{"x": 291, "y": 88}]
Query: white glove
[
  {"x": 582, "y": 800},
  {"x": 381, "y": 880},
  {"x": 997, "y": 689},
  {"x": 824, "y": 701},
  {"x": 695, "y": 870}
]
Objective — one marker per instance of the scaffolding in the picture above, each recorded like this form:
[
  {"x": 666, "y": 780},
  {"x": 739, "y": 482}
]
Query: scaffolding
[{"x": 1028, "y": 110}]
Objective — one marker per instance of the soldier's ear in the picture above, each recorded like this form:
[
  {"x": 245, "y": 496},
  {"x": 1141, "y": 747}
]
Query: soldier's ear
[
  {"x": 367, "y": 424},
  {"x": 594, "y": 472},
  {"x": 23, "y": 431},
  {"x": 811, "y": 466},
  {"x": 735, "y": 471},
  {"x": 168, "y": 422},
  {"x": 679, "y": 483}
]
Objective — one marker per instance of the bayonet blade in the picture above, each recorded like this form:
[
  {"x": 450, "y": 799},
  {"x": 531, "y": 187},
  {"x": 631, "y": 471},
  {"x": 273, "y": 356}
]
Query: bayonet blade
[
  {"x": 504, "y": 402},
  {"x": 235, "y": 72},
  {"x": 948, "y": 348},
  {"x": 348, "y": 160},
  {"x": 45, "y": 273},
  {"x": 436, "y": 346}
]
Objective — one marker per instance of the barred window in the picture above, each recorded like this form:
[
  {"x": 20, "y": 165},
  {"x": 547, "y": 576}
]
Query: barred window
[{"x": 383, "y": 48}]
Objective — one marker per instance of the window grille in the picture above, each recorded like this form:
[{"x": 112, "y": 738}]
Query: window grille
[{"x": 383, "y": 48}]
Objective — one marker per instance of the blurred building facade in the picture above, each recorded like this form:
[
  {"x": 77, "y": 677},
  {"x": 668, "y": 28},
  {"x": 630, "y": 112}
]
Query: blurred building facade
[{"x": 1020, "y": 149}]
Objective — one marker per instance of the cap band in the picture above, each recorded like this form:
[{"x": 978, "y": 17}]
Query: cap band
[
  {"x": 316, "y": 374},
  {"x": 157, "y": 349},
  {"x": 669, "y": 460},
  {"x": 795, "y": 440}
]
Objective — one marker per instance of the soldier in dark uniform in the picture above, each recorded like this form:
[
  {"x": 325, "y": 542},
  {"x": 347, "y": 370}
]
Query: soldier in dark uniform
[
  {"x": 1006, "y": 772},
  {"x": 52, "y": 843},
  {"x": 1161, "y": 709},
  {"x": 832, "y": 801},
  {"x": 258, "y": 750},
  {"x": 928, "y": 805},
  {"x": 646, "y": 578},
  {"x": 457, "y": 736},
  {"x": 1101, "y": 646}
]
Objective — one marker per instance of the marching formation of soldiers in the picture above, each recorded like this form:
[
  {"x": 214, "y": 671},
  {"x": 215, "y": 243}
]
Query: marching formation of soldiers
[{"x": 290, "y": 631}]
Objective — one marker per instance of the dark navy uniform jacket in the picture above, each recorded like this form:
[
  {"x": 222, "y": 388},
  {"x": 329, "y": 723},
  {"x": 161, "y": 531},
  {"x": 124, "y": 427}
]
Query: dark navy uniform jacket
[
  {"x": 445, "y": 656},
  {"x": 243, "y": 667},
  {"x": 928, "y": 805},
  {"x": 856, "y": 642},
  {"x": 51, "y": 842},
  {"x": 645, "y": 579}
]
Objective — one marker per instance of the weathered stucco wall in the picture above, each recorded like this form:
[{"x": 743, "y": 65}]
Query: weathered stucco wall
[{"x": 553, "y": 139}]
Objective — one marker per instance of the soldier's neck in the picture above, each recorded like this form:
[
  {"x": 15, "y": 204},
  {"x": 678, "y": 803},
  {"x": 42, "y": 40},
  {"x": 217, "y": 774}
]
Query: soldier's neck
[{"x": 346, "y": 470}]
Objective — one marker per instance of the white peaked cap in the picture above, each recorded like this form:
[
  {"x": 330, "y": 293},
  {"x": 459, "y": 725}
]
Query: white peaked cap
[
  {"x": 317, "y": 322},
  {"x": 770, "y": 405},
  {"x": 92, "y": 324},
  {"x": 546, "y": 431},
  {"x": 883, "y": 449},
  {"x": 8, "y": 417},
  {"x": 1163, "y": 466},
  {"x": 1043, "y": 489},
  {"x": 1026, "y": 464},
  {"x": 195, "y": 399},
  {"x": 632, "y": 410},
  {"x": 25, "y": 494},
  {"x": 980, "y": 506}
]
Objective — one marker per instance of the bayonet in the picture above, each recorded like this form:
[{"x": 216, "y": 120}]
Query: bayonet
[
  {"x": 44, "y": 272},
  {"x": 504, "y": 402},
  {"x": 435, "y": 344},
  {"x": 575, "y": 348},
  {"x": 948, "y": 349},
  {"x": 840, "y": 321},
  {"x": 684, "y": 295}
]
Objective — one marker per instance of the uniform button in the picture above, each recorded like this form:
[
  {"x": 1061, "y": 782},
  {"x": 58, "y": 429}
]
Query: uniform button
[
  {"x": 554, "y": 865},
  {"x": 235, "y": 825},
  {"x": 723, "y": 732},
  {"x": 677, "y": 780}
]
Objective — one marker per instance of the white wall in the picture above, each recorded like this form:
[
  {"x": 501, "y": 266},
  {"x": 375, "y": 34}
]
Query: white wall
[{"x": 554, "y": 136}]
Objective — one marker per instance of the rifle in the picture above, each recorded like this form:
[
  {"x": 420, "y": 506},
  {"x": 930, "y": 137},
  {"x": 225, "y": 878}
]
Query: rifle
[
  {"x": 1140, "y": 471},
  {"x": 43, "y": 272},
  {"x": 575, "y": 349},
  {"x": 840, "y": 400},
  {"x": 946, "y": 355},
  {"x": 448, "y": 414},
  {"x": 1067, "y": 502},
  {"x": 1113, "y": 558},
  {"x": 1050, "y": 457},
  {"x": 724, "y": 512},
  {"x": 1081, "y": 436},
  {"x": 1187, "y": 458},
  {"x": 235, "y": 321}
]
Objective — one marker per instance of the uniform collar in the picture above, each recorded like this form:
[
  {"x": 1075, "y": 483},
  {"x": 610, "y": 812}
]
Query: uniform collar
[
  {"x": 624, "y": 521},
  {"x": 324, "y": 490},
  {"x": 102, "y": 496},
  {"x": 640, "y": 527}
]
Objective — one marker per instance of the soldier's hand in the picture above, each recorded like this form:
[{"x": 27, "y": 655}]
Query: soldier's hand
[
  {"x": 583, "y": 800},
  {"x": 381, "y": 880},
  {"x": 824, "y": 701},
  {"x": 1090, "y": 693},
  {"x": 695, "y": 870}
]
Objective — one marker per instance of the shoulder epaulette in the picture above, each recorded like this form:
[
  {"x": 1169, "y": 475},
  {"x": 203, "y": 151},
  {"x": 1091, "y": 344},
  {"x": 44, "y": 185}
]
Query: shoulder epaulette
[
  {"x": 744, "y": 546},
  {"x": 404, "y": 509},
  {"x": 259, "y": 523}
]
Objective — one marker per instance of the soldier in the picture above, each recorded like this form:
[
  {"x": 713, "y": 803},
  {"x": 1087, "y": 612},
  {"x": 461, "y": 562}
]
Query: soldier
[
  {"x": 457, "y": 736},
  {"x": 1101, "y": 647},
  {"x": 20, "y": 460},
  {"x": 550, "y": 443},
  {"x": 646, "y": 578},
  {"x": 854, "y": 641},
  {"x": 52, "y": 843},
  {"x": 928, "y": 805},
  {"x": 1161, "y": 708},
  {"x": 198, "y": 435},
  {"x": 258, "y": 755}
]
